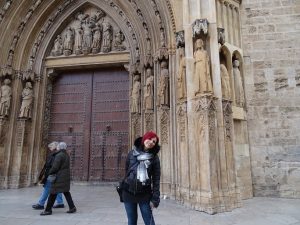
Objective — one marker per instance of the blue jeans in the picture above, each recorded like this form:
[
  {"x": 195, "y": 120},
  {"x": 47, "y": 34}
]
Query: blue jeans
[
  {"x": 45, "y": 195},
  {"x": 132, "y": 214}
]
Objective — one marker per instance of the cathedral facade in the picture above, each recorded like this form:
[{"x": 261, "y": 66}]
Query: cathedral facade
[{"x": 218, "y": 80}]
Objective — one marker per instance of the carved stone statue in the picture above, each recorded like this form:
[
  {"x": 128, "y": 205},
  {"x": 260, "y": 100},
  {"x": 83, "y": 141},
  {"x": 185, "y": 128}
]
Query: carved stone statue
[
  {"x": 58, "y": 46},
  {"x": 238, "y": 84},
  {"x": 135, "y": 94},
  {"x": 149, "y": 90},
  {"x": 202, "y": 69},
  {"x": 5, "y": 98},
  {"x": 119, "y": 38},
  {"x": 78, "y": 38},
  {"x": 162, "y": 37},
  {"x": 27, "y": 99},
  {"x": 225, "y": 81},
  {"x": 164, "y": 84},
  {"x": 97, "y": 37},
  {"x": 181, "y": 77},
  {"x": 107, "y": 37},
  {"x": 87, "y": 36},
  {"x": 69, "y": 41}
]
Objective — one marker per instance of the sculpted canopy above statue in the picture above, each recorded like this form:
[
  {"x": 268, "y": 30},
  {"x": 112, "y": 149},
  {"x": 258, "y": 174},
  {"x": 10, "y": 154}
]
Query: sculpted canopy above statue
[{"x": 90, "y": 32}]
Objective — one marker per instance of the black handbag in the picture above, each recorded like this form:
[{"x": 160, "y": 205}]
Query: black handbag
[{"x": 120, "y": 186}]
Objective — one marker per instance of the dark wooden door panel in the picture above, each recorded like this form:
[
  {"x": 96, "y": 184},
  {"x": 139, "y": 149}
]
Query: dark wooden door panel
[
  {"x": 110, "y": 125},
  {"x": 70, "y": 118}
]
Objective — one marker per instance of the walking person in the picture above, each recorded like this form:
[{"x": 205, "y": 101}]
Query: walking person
[
  {"x": 47, "y": 184},
  {"x": 61, "y": 171},
  {"x": 141, "y": 184}
]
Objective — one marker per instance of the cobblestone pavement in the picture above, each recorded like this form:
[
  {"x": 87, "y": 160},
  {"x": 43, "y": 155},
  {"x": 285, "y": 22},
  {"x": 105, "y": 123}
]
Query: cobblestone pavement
[{"x": 99, "y": 205}]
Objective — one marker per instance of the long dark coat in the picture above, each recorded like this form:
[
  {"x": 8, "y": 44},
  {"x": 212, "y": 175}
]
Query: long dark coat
[{"x": 61, "y": 167}]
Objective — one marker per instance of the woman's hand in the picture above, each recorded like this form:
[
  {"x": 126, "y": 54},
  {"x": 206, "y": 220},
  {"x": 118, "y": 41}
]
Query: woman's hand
[{"x": 152, "y": 205}]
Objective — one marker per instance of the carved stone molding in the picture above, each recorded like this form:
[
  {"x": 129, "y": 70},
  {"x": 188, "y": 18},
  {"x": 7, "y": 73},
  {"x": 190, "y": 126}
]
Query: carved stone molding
[
  {"x": 47, "y": 110},
  {"x": 200, "y": 26},
  {"x": 181, "y": 120},
  {"x": 136, "y": 126},
  {"x": 204, "y": 103},
  {"x": 227, "y": 115},
  {"x": 3, "y": 129},
  {"x": 149, "y": 121},
  {"x": 180, "y": 41},
  {"x": 4, "y": 9},
  {"x": 164, "y": 126}
]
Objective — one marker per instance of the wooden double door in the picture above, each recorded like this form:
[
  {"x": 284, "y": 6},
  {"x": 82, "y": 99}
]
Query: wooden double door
[{"x": 90, "y": 112}]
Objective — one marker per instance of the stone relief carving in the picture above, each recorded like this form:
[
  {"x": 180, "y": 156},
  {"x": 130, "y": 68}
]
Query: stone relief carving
[
  {"x": 181, "y": 77},
  {"x": 149, "y": 90},
  {"x": 69, "y": 41},
  {"x": 136, "y": 94},
  {"x": 119, "y": 39},
  {"x": 5, "y": 98},
  {"x": 97, "y": 38},
  {"x": 163, "y": 94},
  {"x": 58, "y": 46},
  {"x": 225, "y": 82},
  {"x": 202, "y": 76},
  {"x": 238, "y": 84},
  {"x": 27, "y": 100},
  {"x": 90, "y": 33},
  {"x": 107, "y": 37},
  {"x": 181, "y": 121}
]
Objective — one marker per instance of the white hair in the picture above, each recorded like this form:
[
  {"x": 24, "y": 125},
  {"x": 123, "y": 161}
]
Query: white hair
[{"x": 62, "y": 145}]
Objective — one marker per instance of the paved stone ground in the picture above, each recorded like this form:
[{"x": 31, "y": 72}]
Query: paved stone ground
[{"x": 99, "y": 205}]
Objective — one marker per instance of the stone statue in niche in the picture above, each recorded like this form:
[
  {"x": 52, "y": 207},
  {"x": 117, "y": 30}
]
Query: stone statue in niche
[
  {"x": 181, "y": 77},
  {"x": 27, "y": 99},
  {"x": 202, "y": 69},
  {"x": 238, "y": 84},
  {"x": 135, "y": 94},
  {"x": 119, "y": 38},
  {"x": 107, "y": 37},
  {"x": 164, "y": 84},
  {"x": 87, "y": 36},
  {"x": 69, "y": 41},
  {"x": 10, "y": 57},
  {"x": 162, "y": 37},
  {"x": 149, "y": 90},
  {"x": 225, "y": 82},
  {"x": 148, "y": 46},
  {"x": 97, "y": 37},
  {"x": 5, "y": 98},
  {"x": 58, "y": 46}
]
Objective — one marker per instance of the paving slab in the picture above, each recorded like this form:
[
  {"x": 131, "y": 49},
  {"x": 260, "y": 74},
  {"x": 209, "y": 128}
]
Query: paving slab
[{"x": 99, "y": 205}]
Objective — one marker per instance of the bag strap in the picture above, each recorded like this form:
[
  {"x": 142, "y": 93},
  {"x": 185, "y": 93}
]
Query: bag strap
[{"x": 131, "y": 168}]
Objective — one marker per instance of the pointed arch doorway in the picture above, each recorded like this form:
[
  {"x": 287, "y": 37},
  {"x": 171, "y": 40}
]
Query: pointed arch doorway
[{"x": 90, "y": 112}]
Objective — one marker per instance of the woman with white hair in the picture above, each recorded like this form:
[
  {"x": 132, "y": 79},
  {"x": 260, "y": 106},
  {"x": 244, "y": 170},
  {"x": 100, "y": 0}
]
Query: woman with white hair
[
  {"x": 61, "y": 170},
  {"x": 47, "y": 184}
]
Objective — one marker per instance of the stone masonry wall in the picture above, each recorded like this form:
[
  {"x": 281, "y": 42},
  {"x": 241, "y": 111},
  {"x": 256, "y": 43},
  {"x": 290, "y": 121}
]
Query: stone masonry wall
[{"x": 271, "y": 44}]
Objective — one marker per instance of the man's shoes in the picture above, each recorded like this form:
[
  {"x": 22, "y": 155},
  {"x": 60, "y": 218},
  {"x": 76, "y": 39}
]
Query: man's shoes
[
  {"x": 58, "y": 206},
  {"x": 38, "y": 206},
  {"x": 73, "y": 210},
  {"x": 46, "y": 213}
]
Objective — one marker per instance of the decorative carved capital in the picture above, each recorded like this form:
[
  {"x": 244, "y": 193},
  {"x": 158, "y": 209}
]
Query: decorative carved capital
[
  {"x": 204, "y": 104},
  {"x": 180, "y": 41},
  {"x": 161, "y": 54},
  {"x": 200, "y": 25},
  {"x": 221, "y": 35}
]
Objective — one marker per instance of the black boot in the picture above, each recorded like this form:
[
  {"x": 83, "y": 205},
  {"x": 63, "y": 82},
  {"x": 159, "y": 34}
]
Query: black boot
[
  {"x": 46, "y": 213},
  {"x": 73, "y": 210}
]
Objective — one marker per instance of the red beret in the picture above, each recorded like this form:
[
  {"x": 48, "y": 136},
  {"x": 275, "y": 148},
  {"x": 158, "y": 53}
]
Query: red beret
[{"x": 149, "y": 135}]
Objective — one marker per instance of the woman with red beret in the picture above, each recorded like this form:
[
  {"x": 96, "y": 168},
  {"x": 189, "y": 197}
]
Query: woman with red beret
[{"x": 141, "y": 184}]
